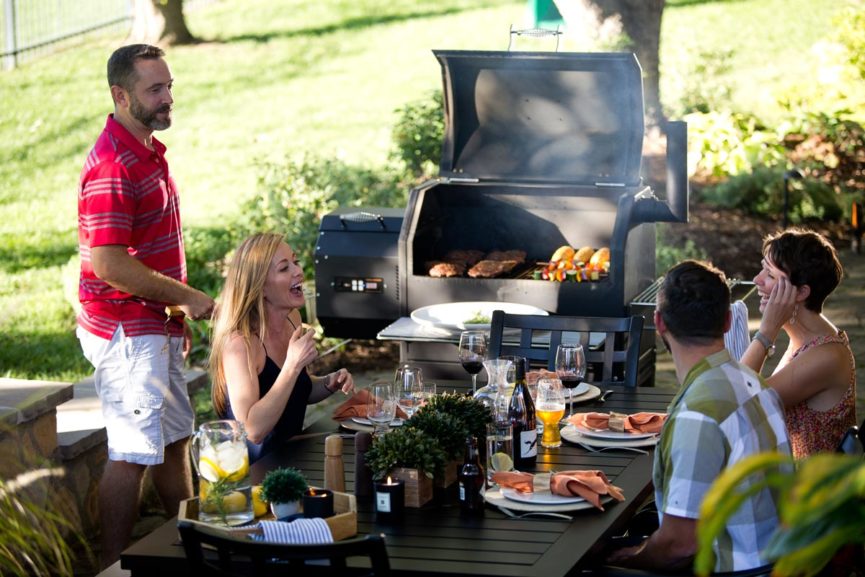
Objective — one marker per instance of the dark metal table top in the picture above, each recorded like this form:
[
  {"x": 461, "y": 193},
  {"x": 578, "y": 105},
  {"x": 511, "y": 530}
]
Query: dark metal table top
[{"x": 438, "y": 539}]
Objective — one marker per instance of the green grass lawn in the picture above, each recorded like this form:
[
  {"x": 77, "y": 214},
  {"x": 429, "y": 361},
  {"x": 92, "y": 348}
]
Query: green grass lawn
[{"x": 281, "y": 77}]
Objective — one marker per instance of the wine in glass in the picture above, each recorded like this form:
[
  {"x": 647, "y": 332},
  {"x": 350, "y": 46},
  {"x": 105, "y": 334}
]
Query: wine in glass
[
  {"x": 570, "y": 368},
  {"x": 381, "y": 406},
  {"x": 408, "y": 388},
  {"x": 473, "y": 350},
  {"x": 550, "y": 408}
]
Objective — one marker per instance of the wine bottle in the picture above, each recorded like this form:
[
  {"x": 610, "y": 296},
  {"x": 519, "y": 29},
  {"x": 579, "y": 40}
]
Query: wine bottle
[
  {"x": 522, "y": 416},
  {"x": 471, "y": 478}
]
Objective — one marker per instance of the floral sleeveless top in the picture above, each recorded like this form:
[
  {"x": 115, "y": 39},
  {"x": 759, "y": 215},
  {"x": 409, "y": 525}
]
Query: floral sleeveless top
[{"x": 812, "y": 431}]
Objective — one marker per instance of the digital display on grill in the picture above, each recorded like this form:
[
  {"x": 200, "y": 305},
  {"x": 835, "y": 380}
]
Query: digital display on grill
[{"x": 344, "y": 284}]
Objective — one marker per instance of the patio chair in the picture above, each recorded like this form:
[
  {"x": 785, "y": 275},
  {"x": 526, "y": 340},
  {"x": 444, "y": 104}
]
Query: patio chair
[
  {"x": 853, "y": 441},
  {"x": 237, "y": 555},
  {"x": 607, "y": 341},
  {"x": 610, "y": 571}
]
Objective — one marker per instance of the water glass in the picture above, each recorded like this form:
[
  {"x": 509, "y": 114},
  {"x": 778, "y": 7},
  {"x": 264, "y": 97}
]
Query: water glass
[
  {"x": 381, "y": 406},
  {"x": 408, "y": 388},
  {"x": 500, "y": 449}
]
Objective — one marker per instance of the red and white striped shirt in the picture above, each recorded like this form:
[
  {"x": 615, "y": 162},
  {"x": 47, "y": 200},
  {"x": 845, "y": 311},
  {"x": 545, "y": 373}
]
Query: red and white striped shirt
[{"x": 126, "y": 196}]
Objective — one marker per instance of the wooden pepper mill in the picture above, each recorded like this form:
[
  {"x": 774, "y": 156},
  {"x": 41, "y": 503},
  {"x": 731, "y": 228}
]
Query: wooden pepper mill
[{"x": 334, "y": 469}]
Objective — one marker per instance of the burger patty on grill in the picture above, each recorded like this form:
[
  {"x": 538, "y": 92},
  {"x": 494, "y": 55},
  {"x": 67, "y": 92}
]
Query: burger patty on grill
[
  {"x": 492, "y": 268},
  {"x": 468, "y": 256},
  {"x": 446, "y": 269},
  {"x": 516, "y": 255}
]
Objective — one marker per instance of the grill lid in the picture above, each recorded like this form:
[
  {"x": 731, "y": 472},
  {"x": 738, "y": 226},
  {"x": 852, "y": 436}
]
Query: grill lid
[{"x": 542, "y": 117}]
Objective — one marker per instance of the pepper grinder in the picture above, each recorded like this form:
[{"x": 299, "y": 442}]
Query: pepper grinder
[
  {"x": 362, "y": 473},
  {"x": 334, "y": 470}
]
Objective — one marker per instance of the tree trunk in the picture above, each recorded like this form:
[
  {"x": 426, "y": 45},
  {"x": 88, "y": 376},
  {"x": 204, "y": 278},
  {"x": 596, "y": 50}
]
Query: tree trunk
[
  {"x": 174, "y": 30},
  {"x": 641, "y": 21}
]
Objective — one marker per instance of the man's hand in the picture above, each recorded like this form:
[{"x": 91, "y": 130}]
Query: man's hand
[{"x": 199, "y": 307}]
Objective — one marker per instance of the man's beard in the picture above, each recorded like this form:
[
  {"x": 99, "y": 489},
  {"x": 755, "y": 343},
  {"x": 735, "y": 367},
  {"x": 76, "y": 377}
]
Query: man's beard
[{"x": 148, "y": 117}]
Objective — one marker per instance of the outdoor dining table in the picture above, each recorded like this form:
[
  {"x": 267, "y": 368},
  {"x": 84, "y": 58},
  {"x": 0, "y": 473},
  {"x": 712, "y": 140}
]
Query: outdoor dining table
[{"x": 438, "y": 539}]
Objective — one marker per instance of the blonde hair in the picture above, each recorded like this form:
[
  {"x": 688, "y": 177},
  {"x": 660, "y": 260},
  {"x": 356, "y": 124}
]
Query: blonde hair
[{"x": 241, "y": 308}]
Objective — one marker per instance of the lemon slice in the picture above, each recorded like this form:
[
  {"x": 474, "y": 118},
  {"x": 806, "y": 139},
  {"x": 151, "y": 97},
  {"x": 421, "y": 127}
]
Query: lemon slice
[
  {"x": 501, "y": 462},
  {"x": 240, "y": 473},
  {"x": 210, "y": 470}
]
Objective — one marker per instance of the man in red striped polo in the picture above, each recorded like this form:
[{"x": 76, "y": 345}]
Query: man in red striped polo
[{"x": 133, "y": 266}]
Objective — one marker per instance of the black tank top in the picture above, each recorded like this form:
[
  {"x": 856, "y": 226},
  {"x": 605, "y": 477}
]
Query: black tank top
[{"x": 291, "y": 421}]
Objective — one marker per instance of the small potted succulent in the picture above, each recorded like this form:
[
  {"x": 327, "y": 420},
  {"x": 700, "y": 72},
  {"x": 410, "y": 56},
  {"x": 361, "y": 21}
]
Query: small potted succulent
[
  {"x": 410, "y": 455},
  {"x": 283, "y": 488}
]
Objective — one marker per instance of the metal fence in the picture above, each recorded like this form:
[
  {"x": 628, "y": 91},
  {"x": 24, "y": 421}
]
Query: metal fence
[{"x": 33, "y": 28}]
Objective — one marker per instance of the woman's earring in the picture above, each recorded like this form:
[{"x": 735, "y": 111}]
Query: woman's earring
[{"x": 795, "y": 312}]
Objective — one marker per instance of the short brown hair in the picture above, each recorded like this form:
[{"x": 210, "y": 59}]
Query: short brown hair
[
  {"x": 807, "y": 258},
  {"x": 121, "y": 64},
  {"x": 693, "y": 302}
]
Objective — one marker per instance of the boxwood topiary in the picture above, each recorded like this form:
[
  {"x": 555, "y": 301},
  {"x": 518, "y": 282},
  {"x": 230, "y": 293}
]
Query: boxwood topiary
[
  {"x": 405, "y": 447},
  {"x": 448, "y": 430},
  {"x": 473, "y": 414},
  {"x": 283, "y": 485}
]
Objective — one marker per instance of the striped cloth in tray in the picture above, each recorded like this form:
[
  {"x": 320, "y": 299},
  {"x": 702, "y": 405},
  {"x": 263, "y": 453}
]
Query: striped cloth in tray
[{"x": 299, "y": 531}]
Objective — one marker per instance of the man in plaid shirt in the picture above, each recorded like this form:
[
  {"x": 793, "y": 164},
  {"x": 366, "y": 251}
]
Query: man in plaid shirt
[
  {"x": 132, "y": 266},
  {"x": 723, "y": 413}
]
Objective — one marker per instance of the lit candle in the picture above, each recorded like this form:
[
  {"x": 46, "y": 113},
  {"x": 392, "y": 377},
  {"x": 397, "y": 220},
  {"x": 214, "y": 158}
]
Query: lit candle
[
  {"x": 317, "y": 503},
  {"x": 389, "y": 499}
]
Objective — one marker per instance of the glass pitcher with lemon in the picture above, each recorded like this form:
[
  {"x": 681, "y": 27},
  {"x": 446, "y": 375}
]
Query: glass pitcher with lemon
[{"x": 222, "y": 461}]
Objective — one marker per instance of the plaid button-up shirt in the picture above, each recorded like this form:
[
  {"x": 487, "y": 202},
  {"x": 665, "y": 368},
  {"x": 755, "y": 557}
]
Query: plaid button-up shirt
[{"x": 723, "y": 413}]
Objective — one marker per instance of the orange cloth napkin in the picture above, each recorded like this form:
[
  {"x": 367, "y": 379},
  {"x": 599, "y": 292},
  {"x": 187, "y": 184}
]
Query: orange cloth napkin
[
  {"x": 589, "y": 485},
  {"x": 522, "y": 482},
  {"x": 638, "y": 422},
  {"x": 533, "y": 377},
  {"x": 355, "y": 406}
]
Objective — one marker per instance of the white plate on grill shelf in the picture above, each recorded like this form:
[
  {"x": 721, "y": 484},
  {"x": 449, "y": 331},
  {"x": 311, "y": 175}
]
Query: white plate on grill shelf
[{"x": 458, "y": 315}]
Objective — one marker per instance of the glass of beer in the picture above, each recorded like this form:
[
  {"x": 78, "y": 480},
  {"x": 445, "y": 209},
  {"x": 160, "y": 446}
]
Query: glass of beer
[{"x": 550, "y": 408}]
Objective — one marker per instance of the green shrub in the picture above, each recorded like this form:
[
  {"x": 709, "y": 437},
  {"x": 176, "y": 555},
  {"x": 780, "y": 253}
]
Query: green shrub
[
  {"x": 293, "y": 196},
  {"x": 723, "y": 144},
  {"x": 703, "y": 85},
  {"x": 761, "y": 192},
  {"x": 473, "y": 414},
  {"x": 667, "y": 255},
  {"x": 850, "y": 24},
  {"x": 417, "y": 135}
]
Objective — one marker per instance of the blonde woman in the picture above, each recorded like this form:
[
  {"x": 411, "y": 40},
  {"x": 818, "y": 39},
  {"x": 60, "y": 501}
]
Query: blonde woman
[
  {"x": 260, "y": 351},
  {"x": 816, "y": 376}
]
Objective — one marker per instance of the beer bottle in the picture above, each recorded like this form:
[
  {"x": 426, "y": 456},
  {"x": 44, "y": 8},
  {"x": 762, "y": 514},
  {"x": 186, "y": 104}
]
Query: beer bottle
[
  {"x": 471, "y": 478},
  {"x": 522, "y": 416}
]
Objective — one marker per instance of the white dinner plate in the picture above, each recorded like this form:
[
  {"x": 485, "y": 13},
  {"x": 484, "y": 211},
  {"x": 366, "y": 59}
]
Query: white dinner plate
[
  {"x": 570, "y": 433},
  {"x": 457, "y": 315},
  {"x": 364, "y": 421},
  {"x": 580, "y": 389},
  {"x": 609, "y": 435},
  {"x": 592, "y": 392},
  {"x": 542, "y": 497}
]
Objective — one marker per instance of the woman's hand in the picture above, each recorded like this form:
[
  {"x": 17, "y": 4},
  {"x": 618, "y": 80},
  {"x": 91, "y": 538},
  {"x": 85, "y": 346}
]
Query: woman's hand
[
  {"x": 340, "y": 380},
  {"x": 779, "y": 308},
  {"x": 301, "y": 349}
]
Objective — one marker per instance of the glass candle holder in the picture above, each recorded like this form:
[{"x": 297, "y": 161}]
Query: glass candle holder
[
  {"x": 318, "y": 503},
  {"x": 389, "y": 500}
]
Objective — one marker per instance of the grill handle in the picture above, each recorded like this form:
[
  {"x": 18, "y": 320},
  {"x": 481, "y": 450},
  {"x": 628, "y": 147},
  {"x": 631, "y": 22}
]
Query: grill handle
[
  {"x": 534, "y": 33},
  {"x": 361, "y": 217},
  {"x": 649, "y": 208}
]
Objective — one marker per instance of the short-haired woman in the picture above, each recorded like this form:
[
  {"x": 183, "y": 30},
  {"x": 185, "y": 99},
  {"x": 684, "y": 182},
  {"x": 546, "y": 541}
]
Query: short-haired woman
[{"x": 816, "y": 376}]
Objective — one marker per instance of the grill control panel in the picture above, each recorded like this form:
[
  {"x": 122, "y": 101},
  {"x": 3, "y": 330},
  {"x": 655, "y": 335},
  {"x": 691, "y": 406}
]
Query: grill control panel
[{"x": 344, "y": 284}]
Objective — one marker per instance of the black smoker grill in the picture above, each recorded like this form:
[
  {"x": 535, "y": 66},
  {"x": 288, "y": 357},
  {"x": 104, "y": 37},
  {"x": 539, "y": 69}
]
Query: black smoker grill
[{"x": 540, "y": 150}]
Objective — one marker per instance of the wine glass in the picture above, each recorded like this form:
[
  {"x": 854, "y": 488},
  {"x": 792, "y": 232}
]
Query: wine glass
[
  {"x": 571, "y": 368},
  {"x": 381, "y": 406},
  {"x": 408, "y": 388},
  {"x": 550, "y": 409},
  {"x": 473, "y": 349}
]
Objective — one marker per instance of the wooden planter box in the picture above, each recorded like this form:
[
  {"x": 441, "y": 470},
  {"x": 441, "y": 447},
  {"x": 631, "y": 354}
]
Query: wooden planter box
[
  {"x": 418, "y": 487},
  {"x": 343, "y": 524},
  {"x": 449, "y": 475}
]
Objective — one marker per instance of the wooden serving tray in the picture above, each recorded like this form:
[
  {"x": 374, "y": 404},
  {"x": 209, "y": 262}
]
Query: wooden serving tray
[{"x": 343, "y": 524}]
